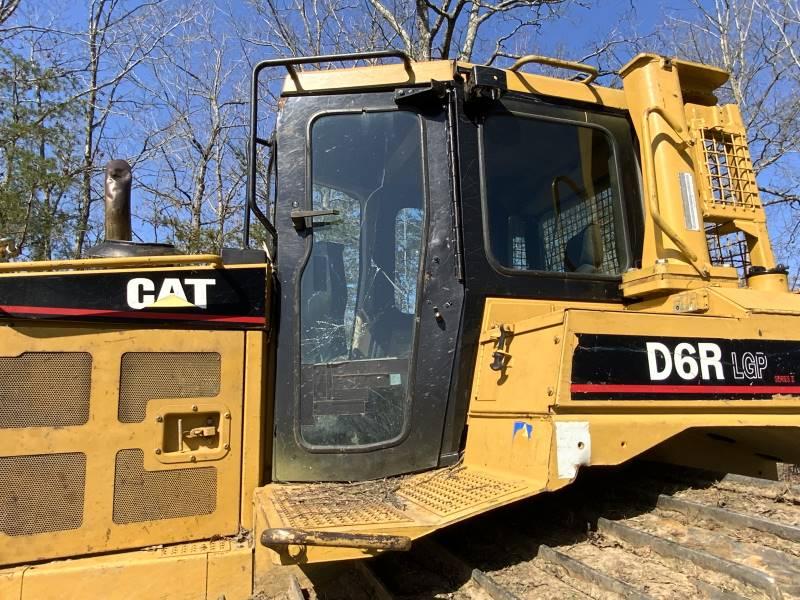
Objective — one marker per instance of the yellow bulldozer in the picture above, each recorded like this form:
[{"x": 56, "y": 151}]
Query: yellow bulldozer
[{"x": 474, "y": 283}]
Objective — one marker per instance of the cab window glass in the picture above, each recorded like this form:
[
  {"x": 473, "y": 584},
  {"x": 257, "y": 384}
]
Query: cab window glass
[
  {"x": 358, "y": 290},
  {"x": 552, "y": 197},
  {"x": 407, "y": 234}
]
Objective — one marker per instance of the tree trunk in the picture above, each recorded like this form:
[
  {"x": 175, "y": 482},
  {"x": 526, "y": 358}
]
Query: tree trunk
[{"x": 85, "y": 200}]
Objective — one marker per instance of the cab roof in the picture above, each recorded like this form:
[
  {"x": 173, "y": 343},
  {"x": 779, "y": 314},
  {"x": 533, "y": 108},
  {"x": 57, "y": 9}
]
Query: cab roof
[
  {"x": 698, "y": 80},
  {"x": 392, "y": 76}
]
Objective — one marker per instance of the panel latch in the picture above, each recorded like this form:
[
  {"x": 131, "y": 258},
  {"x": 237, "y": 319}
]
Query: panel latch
[
  {"x": 201, "y": 432},
  {"x": 500, "y": 355}
]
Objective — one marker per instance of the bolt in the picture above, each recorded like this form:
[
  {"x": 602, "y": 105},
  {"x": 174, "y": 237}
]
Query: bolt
[
  {"x": 580, "y": 446},
  {"x": 194, "y": 407},
  {"x": 159, "y": 419},
  {"x": 227, "y": 415},
  {"x": 227, "y": 446},
  {"x": 158, "y": 450},
  {"x": 550, "y": 391},
  {"x": 556, "y": 339},
  {"x": 193, "y": 459}
]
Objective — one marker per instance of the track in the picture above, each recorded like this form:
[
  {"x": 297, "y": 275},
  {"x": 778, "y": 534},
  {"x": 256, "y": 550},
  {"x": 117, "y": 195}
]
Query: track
[{"x": 640, "y": 532}]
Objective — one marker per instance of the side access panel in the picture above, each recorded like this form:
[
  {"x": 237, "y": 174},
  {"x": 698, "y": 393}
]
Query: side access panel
[
  {"x": 621, "y": 383},
  {"x": 117, "y": 438}
]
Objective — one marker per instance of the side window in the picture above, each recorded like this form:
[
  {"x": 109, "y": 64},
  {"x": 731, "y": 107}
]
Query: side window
[{"x": 552, "y": 196}]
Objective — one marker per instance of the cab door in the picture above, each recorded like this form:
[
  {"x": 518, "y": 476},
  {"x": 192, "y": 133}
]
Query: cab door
[{"x": 370, "y": 299}]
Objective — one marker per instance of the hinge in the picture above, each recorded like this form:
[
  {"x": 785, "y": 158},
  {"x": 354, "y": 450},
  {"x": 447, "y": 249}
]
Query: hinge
[
  {"x": 432, "y": 96},
  {"x": 485, "y": 83},
  {"x": 452, "y": 159}
]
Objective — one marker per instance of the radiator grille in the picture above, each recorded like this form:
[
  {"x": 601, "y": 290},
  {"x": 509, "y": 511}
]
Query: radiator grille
[
  {"x": 45, "y": 389},
  {"x": 141, "y": 495},
  {"x": 41, "y": 493},
  {"x": 146, "y": 376}
]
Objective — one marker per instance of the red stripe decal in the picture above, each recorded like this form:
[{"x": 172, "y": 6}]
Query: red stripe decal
[
  {"x": 99, "y": 312},
  {"x": 683, "y": 389}
]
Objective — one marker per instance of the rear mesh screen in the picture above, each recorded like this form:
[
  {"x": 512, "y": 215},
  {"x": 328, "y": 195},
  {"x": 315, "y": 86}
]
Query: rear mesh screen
[
  {"x": 141, "y": 495},
  {"x": 41, "y": 493},
  {"x": 146, "y": 376},
  {"x": 45, "y": 389}
]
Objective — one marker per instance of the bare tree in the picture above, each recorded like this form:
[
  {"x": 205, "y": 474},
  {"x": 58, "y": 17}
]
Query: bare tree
[
  {"x": 198, "y": 84},
  {"x": 120, "y": 36},
  {"x": 7, "y": 8},
  {"x": 424, "y": 29}
]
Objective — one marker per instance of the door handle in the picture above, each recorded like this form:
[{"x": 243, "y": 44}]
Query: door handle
[
  {"x": 300, "y": 217},
  {"x": 192, "y": 432}
]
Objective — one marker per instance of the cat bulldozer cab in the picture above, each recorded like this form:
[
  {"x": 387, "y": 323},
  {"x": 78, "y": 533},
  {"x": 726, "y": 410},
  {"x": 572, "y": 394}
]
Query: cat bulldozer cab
[{"x": 468, "y": 283}]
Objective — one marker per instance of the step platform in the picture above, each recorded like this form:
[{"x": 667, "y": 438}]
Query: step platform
[{"x": 373, "y": 516}]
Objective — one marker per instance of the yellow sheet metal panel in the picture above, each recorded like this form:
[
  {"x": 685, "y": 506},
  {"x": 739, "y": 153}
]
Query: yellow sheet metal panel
[
  {"x": 230, "y": 574},
  {"x": 618, "y": 437},
  {"x": 564, "y": 89},
  {"x": 254, "y": 429},
  {"x": 536, "y": 385},
  {"x": 758, "y": 302},
  {"x": 177, "y": 573},
  {"x": 11, "y": 583},
  {"x": 110, "y": 483},
  {"x": 516, "y": 445},
  {"x": 375, "y": 77},
  {"x": 523, "y": 386}
]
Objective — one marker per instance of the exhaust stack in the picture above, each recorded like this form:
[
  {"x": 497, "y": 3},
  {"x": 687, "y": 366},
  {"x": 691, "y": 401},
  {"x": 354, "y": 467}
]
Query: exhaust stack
[
  {"x": 118, "y": 200},
  {"x": 118, "y": 231}
]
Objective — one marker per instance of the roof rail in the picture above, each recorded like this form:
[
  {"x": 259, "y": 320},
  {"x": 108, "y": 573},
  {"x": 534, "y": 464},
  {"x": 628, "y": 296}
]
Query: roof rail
[
  {"x": 591, "y": 72},
  {"x": 290, "y": 63}
]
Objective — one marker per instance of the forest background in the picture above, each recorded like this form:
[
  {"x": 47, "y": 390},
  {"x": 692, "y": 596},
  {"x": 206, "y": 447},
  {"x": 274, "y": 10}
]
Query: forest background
[{"x": 164, "y": 85}]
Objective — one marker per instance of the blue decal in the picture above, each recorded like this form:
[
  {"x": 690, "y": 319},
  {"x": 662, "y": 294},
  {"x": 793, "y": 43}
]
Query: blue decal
[{"x": 526, "y": 428}]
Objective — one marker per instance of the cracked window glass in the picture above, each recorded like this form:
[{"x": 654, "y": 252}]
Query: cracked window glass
[{"x": 358, "y": 291}]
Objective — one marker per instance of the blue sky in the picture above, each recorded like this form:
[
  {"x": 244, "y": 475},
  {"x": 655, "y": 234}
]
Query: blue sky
[{"x": 572, "y": 36}]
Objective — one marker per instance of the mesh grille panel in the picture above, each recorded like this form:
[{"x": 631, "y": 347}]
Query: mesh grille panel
[
  {"x": 729, "y": 172},
  {"x": 728, "y": 249},
  {"x": 141, "y": 495},
  {"x": 146, "y": 376},
  {"x": 45, "y": 389},
  {"x": 41, "y": 493}
]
